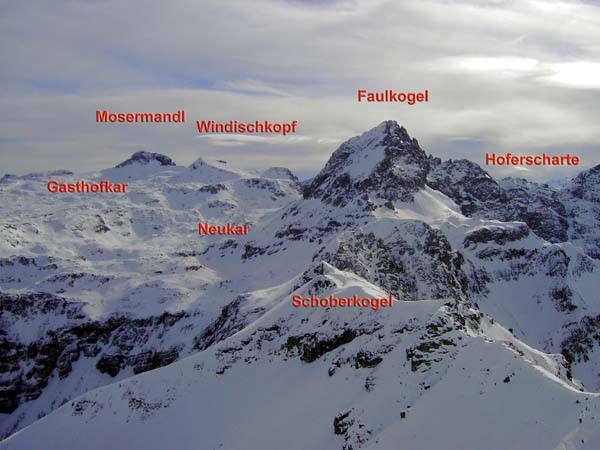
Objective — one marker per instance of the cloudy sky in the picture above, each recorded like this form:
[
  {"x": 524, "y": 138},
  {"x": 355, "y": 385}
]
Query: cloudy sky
[{"x": 503, "y": 76}]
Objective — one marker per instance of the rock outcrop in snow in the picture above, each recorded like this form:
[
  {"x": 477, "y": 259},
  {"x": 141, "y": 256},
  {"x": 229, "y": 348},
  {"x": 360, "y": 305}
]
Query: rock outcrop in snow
[{"x": 147, "y": 158}]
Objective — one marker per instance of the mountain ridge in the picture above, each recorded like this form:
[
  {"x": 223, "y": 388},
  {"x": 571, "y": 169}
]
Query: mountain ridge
[{"x": 132, "y": 288}]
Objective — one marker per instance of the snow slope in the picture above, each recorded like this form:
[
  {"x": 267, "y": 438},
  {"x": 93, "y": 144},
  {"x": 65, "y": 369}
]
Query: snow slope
[
  {"x": 119, "y": 321},
  {"x": 419, "y": 375}
]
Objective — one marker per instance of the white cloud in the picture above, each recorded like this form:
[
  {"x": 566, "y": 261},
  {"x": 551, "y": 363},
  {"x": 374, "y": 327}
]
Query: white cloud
[
  {"x": 488, "y": 66},
  {"x": 329, "y": 141},
  {"x": 578, "y": 74},
  {"x": 250, "y": 86},
  {"x": 234, "y": 140}
]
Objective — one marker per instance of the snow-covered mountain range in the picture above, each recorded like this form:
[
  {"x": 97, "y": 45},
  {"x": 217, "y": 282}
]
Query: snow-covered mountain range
[{"x": 122, "y": 327}]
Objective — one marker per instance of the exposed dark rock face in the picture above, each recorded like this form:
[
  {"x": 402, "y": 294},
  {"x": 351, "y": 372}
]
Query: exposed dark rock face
[
  {"x": 213, "y": 188},
  {"x": 582, "y": 340},
  {"x": 312, "y": 346},
  {"x": 145, "y": 158},
  {"x": 282, "y": 173},
  {"x": 497, "y": 235},
  {"x": 265, "y": 185},
  {"x": 436, "y": 339},
  {"x": 582, "y": 198},
  {"x": 385, "y": 162},
  {"x": 115, "y": 342},
  {"x": 538, "y": 205},
  {"x": 471, "y": 187},
  {"x": 110, "y": 364},
  {"x": 150, "y": 360},
  {"x": 585, "y": 185},
  {"x": 511, "y": 199},
  {"x": 365, "y": 359},
  {"x": 414, "y": 262},
  {"x": 230, "y": 321}
]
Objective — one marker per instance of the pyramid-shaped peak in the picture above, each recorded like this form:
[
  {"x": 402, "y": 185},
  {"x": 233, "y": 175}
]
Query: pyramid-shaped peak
[
  {"x": 282, "y": 173},
  {"x": 387, "y": 133},
  {"x": 586, "y": 185},
  {"x": 145, "y": 158},
  {"x": 382, "y": 161},
  {"x": 198, "y": 164},
  {"x": 590, "y": 176},
  {"x": 217, "y": 165},
  {"x": 392, "y": 128},
  {"x": 211, "y": 170}
]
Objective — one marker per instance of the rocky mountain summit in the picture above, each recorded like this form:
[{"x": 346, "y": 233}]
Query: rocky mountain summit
[
  {"x": 582, "y": 200},
  {"x": 385, "y": 162},
  {"x": 496, "y": 307},
  {"x": 146, "y": 158},
  {"x": 509, "y": 199}
]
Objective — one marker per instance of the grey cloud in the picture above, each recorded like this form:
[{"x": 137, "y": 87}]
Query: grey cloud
[{"x": 507, "y": 74}]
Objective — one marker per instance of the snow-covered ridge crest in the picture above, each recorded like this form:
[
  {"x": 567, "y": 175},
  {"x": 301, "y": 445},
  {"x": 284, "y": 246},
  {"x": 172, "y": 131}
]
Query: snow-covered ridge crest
[{"x": 379, "y": 375}]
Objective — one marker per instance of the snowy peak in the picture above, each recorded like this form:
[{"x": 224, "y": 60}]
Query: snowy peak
[
  {"x": 145, "y": 158},
  {"x": 282, "y": 173},
  {"x": 385, "y": 162},
  {"x": 582, "y": 199},
  {"x": 216, "y": 171},
  {"x": 464, "y": 182},
  {"x": 387, "y": 143},
  {"x": 215, "y": 165},
  {"x": 510, "y": 199},
  {"x": 199, "y": 164},
  {"x": 586, "y": 185},
  {"x": 393, "y": 134},
  {"x": 279, "y": 173}
]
